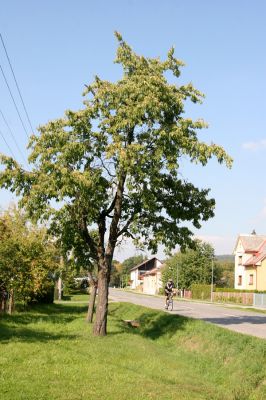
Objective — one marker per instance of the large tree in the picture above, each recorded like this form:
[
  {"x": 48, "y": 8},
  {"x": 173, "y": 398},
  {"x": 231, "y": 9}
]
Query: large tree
[{"x": 115, "y": 164}]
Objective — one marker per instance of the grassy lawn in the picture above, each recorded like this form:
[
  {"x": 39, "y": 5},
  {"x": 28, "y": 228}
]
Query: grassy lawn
[{"x": 48, "y": 353}]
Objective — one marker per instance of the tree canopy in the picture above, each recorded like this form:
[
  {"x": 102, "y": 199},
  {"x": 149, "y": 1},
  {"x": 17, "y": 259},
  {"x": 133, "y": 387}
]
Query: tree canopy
[
  {"x": 192, "y": 266},
  {"x": 113, "y": 165}
]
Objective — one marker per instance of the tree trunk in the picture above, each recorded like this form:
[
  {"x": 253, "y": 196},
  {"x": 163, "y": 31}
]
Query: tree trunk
[
  {"x": 11, "y": 301},
  {"x": 91, "y": 302},
  {"x": 59, "y": 288},
  {"x": 100, "y": 324}
]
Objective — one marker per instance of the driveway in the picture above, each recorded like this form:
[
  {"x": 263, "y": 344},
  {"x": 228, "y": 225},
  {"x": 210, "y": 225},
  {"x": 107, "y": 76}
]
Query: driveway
[{"x": 247, "y": 322}]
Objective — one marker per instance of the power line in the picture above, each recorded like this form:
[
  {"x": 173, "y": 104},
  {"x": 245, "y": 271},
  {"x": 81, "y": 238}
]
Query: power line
[
  {"x": 7, "y": 145},
  {"x": 13, "y": 136},
  {"x": 14, "y": 101},
  {"x": 2, "y": 40}
]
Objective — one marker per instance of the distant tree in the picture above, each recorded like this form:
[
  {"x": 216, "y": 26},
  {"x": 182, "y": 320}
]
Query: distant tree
[
  {"x": 28, "y": 258},
  {"x": 132, "y": 262},
  {"x": 192, "y": 266},
  {"x": 116, "y": 164},
  {"x": 116, "y": 274},
  {"x": 227, "y": 269},
  {"x": 120, "y": 273}
]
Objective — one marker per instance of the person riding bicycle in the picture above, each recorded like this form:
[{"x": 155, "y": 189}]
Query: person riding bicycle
[{"x": 168, "y": 290}]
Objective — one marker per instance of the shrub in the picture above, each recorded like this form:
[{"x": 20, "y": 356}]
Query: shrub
[{"x": 202, "y": 292}]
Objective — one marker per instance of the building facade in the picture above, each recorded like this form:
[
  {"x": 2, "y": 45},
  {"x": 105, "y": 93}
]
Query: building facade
[
  {"x": 149, "y": 269},
  {"x": 250, "y": 262}
]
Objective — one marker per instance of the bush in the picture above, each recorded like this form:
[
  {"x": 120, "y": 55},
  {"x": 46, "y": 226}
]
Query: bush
[
  {"x": 232, "y": 290},
  {"x": 199, "y": 291},
  {"x": 45, "y": 297}
]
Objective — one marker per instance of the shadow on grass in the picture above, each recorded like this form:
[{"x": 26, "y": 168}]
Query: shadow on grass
[
  {"x": 152, "y": 324},
  {"x": 30, "y": 335},
  {"x": 14, "y": 326}
]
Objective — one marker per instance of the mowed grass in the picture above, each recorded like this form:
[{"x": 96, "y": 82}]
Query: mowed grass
[{"x": 49, "y": 353}]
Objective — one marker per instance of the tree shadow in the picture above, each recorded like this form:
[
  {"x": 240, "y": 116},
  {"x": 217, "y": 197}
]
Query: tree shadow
[
  {"x": 154, "y": 325},
  {"x": 235, "y": 320},
  {"x": 13, "y": 327},
  {"x": 8, "y": 334},
  {"x": 50, "y": 313}
]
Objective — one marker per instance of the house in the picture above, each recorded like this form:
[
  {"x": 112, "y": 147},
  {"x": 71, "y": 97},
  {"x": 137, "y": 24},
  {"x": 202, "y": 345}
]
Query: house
[
  {"x": 152, "y": 281},
  {"x": 250, "y": 262},
  {"x": 138, "y": 273}
]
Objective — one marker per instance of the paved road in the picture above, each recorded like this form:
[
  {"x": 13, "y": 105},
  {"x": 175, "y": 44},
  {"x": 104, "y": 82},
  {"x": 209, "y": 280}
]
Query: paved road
[{"x": 242, "y": 321}]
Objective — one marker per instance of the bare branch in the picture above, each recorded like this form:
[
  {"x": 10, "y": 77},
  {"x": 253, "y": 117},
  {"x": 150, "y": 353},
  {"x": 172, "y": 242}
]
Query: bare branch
[{"x": 106, "y": 169}]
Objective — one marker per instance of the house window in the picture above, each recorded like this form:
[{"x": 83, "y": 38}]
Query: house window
[
  {"x": 250, "y": 279},
  {"x": 240, "y": 260},
  {"x": 239, "y": 280}
]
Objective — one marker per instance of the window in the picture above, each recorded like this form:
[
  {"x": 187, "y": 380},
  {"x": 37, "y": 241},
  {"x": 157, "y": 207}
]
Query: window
[
  {"x": 250, "y": 279},
  {"x": 240, "y": 260},
  {"x": 239, "y": 280}
]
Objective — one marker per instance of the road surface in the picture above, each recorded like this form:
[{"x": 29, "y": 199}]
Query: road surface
[{"x": 247, "y": 322}]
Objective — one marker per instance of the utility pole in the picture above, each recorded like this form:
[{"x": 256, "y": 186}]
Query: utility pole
[
  {"x": 59, "y": 282},
  {"x": 212, "y": 283},
  {"x": 177, "y": 277}
]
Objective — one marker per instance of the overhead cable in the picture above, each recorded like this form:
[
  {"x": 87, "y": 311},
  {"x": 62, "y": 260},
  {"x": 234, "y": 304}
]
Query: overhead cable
[
  {"x": 12, "y": 154},
  {"x": 28, "y": 118},
  {"x": 13, "y": 136},
  {"x": 15, "y": 104}
]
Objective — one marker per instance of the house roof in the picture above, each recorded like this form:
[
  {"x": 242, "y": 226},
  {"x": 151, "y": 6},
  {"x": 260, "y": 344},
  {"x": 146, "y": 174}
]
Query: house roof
[
  {"x": 258, "y": 256},
  {"x": 143, "y": 263},
  {"x": 251, "y": 243}
]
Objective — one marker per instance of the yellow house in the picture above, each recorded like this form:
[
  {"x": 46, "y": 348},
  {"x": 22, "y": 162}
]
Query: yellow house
[{"x": 250, "y": 262}]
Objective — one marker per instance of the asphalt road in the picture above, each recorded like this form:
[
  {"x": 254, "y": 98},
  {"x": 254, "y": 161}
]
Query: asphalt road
[{"x": 247, "y": 322}]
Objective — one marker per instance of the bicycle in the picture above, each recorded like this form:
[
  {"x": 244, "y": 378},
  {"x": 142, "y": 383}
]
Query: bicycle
[{"x": 169, "y": 302}]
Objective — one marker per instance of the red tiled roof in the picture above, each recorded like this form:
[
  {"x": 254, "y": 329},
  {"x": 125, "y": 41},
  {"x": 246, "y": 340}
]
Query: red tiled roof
[
  {"x": 252, "y": 242},
  {"x": 258, "y": 256}
]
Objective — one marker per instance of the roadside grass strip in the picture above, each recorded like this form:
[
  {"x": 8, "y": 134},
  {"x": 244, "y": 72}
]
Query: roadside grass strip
[{"x": 49, "y": 353}]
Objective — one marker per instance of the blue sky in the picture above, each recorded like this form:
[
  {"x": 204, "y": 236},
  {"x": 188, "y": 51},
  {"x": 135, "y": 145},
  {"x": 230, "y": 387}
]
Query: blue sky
[{"x": 57, "y": 46}]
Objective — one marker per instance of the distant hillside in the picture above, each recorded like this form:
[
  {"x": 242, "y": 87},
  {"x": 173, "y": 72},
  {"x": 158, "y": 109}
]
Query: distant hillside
[{"x": 225, "y": 257}]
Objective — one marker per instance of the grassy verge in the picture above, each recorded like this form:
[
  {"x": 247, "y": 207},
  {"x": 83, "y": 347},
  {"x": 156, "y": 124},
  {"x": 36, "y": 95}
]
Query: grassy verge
[{"x": 49, "y": 353}]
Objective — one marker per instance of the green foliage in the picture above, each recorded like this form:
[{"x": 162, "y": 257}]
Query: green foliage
[
  {"x": 232, "y": 290},
  {"x": 122, "y": 141},
  {"x": 202, "y": 292},
  {"x": 28, "y": 258},
  {"x": 227, "y": 269},
  {"x": 132, "y": 262},
  {"x": 192, "y": 266}
]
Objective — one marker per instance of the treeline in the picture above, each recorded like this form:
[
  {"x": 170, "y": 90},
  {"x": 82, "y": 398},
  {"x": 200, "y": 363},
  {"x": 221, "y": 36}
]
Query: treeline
[
  {"x": 198, "y": 266},
  {"x": 193, "y": 266}
]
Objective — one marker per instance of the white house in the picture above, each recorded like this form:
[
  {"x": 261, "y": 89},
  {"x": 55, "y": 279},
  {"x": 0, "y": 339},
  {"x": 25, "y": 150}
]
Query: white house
[
  {"x": 138, "y": 272},
  {"x": 152, "y": 281}
]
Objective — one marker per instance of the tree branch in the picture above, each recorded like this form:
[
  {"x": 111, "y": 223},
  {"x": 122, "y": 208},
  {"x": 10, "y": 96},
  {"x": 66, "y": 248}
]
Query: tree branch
[
  {"x": 126, "y": 226},
  {"x": 88, "y": 239}
]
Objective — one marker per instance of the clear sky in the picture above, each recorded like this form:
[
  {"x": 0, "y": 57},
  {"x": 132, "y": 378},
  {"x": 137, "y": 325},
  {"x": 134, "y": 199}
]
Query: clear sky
[{"x": 56, "y": 47}]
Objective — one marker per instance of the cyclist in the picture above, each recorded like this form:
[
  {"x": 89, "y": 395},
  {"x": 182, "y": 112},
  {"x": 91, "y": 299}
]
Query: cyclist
[{"x": 168, "y": 290}]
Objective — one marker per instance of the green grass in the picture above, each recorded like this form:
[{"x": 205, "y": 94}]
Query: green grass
[
  {"x": 49, "y": 353},
  {"x": 81, "y": 297}
]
